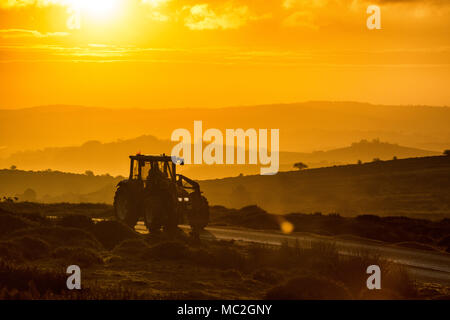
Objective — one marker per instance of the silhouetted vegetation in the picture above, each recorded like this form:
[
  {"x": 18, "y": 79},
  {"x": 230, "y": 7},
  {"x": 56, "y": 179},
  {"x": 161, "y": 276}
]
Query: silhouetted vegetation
[
  {"x": 120, "y": 264},
  {"x": 300, "y": 166}
]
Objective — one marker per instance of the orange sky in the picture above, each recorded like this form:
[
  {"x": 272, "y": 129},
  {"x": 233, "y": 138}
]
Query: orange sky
[{"x": 167, "y": 53}]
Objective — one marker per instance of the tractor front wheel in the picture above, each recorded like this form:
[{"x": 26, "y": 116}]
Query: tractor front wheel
[{"x": 125, "y": 208}]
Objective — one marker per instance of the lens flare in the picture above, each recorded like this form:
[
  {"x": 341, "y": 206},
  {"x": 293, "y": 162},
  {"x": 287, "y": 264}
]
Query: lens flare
[{"x": 287, "y": 227}]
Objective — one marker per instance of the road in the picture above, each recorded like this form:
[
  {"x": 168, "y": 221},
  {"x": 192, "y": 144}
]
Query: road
[{"x": 429, "y": 266}]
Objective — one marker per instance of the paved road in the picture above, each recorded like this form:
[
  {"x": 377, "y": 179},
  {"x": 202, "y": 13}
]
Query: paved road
[{"x": 422, "y": 265}]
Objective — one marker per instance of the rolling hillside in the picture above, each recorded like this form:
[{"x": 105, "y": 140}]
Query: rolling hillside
[
  {"x": 415, "y": 186},
  {"x": 418, "y": 187},
  {"x": 112, "y": 158},
  {"x": 304, "y": 127}
]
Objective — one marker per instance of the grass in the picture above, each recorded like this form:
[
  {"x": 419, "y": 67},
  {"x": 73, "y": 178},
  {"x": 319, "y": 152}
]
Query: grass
[{"x": 118, "y": 263}]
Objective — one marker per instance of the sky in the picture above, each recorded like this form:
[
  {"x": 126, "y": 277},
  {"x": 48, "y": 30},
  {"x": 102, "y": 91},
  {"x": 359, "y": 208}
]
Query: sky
[{"x": 211, "y": 53}]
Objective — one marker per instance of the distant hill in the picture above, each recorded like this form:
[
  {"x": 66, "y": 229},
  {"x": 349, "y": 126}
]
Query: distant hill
[
  {"x": 304, "y": 127},
  {"x": 418, "y": 187},
  {"x": 415, "y": 186},
  {"x": 112, "y": 157},
  {"x": 365, "y": 151},
  {"x": 54, "y": 186}
]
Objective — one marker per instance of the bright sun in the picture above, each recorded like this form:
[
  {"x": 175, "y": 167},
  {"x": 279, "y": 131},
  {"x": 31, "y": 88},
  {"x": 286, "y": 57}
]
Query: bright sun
[{"x": 96, "y": 8}]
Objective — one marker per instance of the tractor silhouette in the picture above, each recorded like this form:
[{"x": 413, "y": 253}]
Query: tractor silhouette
[{"x": 163, "y": 198}]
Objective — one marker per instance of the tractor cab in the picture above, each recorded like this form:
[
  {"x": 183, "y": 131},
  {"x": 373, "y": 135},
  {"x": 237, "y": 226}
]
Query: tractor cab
[{"x": 143, "y": 167}]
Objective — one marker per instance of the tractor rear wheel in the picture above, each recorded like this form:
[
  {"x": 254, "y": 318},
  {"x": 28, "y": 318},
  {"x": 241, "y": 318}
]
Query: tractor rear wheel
[
  {"x": 125, "y": 207},
  {"x": 152, "y": 215},
  {"x": 160, "y": 211}
]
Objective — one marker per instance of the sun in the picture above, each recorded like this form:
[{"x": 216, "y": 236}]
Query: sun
[{"x": 98, "y": 9}]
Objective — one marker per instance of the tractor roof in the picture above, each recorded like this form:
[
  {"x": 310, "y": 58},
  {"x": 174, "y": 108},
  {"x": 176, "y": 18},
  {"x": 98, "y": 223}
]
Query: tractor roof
[{"x": 161, "y": 158}]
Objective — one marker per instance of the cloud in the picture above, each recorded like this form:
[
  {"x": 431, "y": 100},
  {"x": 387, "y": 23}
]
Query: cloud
[
  {"x": 24, "y": 33},
  {"x": 203, "y": 17},
  {"x": 289, "y": 4},
  {"x": 24, "y": 3},
  {"x": 228, "y": 16},
  {"x": 301, "y": 19}
]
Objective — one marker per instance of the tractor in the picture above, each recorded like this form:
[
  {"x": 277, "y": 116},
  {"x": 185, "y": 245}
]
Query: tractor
[{"x": 164, "y": 199}]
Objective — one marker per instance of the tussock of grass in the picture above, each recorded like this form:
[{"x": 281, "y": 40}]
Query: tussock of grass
[
  {"x": 173, "y": 250},
  {"x": 83, "y": 257},
  {"x": 24, "y": 279},
  {"x": 131, "y": 247},
  {"x": 10, "y": 252},
  {"x": 10, "y": 223},
  {"x": 111, "y": 233},
  {"x": 309, "y": 287},
  {"x": 267, "y": 275},
  {"x": 76, "y": 221},
  {"x": 60, "y": 236},
  {"x": 31, "y": 247}
]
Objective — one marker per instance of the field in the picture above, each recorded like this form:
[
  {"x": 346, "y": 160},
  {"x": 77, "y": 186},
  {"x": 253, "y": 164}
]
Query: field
[{"x": 38, "y": 242}]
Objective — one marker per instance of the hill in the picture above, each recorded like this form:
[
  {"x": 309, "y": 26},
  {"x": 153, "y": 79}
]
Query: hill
[
  {"x": 54, "y": 186},
  {"x": 411, "y": 187},
  {"x": 304, "y": 127},
  {"x": 417, "y": 187},
  {"x": 112, "y": 157}
]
